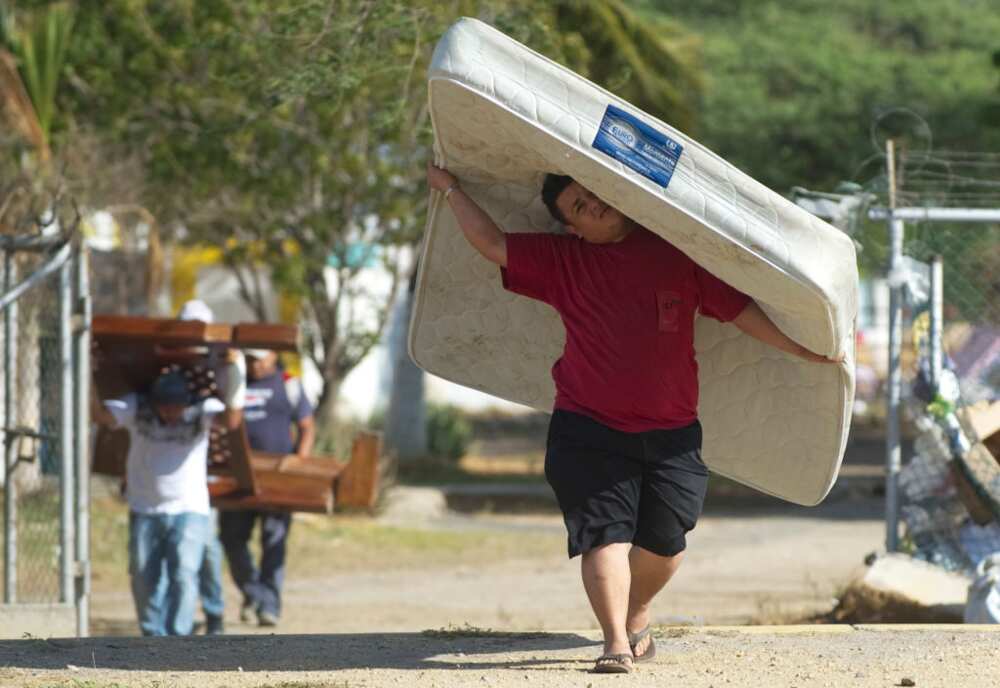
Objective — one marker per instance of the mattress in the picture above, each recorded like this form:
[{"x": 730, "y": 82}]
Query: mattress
[{"x": 503, "y": 116}]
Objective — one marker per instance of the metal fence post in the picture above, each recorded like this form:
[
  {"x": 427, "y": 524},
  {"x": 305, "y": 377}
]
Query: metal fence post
[
  {"x": 937, "y": 320},
  {"x": 81, "y": 361},
  {"x": 10, "y": 417},
  {"x": 893, "y": 457},
  {"x": 66, "y": 444}
]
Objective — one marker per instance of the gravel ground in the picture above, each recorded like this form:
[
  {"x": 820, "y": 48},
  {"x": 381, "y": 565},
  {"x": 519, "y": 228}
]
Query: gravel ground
[
  {"x": 501, "y": 620},
  {"x": 857, "y": 656},
  {"x": 776, "y": 564}
]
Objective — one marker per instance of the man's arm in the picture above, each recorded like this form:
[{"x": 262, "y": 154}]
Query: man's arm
[
  {"x": 233, "y": 390},
  {"x": 229, "y": 419},
  {"x": 754, "y": 322},
  {"x": 99, "y": 413},
  {"x": 478, "y": 227},
  {"x": 307, "y": 436}
]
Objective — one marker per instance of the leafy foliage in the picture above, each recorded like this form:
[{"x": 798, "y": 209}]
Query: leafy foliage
[
  {"x": 39, "y": 41},
  {"x": 649, "y": 61},
  {"x": 791, "y": 88},
  {"x": 294, "y": 133},
  {"x": 448, "y": 432}
]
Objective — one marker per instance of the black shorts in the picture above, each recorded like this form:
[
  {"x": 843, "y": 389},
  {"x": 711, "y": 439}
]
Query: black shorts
[{"x": 646, "y": 488}]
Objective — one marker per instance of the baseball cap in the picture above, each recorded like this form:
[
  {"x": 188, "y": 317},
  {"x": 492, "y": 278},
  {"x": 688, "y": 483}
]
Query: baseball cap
[
  {"x": 257, "y": 353},
  {"x": 170, "y": 388}
]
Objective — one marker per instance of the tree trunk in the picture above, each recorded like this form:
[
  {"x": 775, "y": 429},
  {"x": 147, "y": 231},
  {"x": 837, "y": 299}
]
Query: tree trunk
[
  {"x": 327, "y": 422},
  {"x": 154, "y": 271},
  {"x": 406, "y": 417}
]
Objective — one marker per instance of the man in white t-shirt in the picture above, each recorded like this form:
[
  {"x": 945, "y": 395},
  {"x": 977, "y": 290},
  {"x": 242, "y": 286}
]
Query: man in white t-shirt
[{"x": 167, "y": 493}]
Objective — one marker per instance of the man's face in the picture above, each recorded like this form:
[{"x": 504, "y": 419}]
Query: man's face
[
  {"x": 259, "y": 367},
  {"x": 590, "y": 218},
  {"x": 170, "y": 414}
]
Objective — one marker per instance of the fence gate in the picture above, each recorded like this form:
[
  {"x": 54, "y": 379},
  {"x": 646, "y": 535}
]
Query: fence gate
[{"x": 44, "y": 407}]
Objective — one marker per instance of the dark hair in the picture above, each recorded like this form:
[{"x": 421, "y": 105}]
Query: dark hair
[{"x": 554, "y": 185}]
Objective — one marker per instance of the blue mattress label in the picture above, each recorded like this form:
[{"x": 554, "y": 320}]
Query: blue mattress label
[{"x": 638, "y": 146}]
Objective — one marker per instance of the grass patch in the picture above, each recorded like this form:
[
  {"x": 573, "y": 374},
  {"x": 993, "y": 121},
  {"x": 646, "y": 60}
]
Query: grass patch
[
  {"x": 109, "y": 543},
  {"x": 320, "y": 545},
  {"x": 504, "y": 448},
  {"x": 38, "y": 540},
  {"x": 450, "y": 632},
  {"x": 474, "y": 468}
]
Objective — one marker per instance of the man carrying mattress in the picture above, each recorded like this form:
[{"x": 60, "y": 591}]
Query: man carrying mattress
[{"x": 624, "y": 444}]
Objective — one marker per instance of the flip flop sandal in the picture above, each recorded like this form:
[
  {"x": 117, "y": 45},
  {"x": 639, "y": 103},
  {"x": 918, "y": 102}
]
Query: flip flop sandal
[
  {"x": 613, "y": 664},
  {"x": 636, "y": 638}
]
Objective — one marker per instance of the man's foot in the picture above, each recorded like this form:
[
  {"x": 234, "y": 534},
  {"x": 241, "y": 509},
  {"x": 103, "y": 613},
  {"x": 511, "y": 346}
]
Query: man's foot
[
  {"x": 214, "y": 625},
  {"x": 643, "y": 647},
  {"x": 265, "y": 618},
  {"x": 613, "y": 664},
  {"x": 247, "y": 611}
]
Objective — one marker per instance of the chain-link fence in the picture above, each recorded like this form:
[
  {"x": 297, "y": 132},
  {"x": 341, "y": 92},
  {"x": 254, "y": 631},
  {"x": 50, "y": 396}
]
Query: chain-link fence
[
  {"x": 929, "y": 340},
  {"x": 945, "y": 354},
  {"x": 45, "y": 321},
  {"x": 970, "y": 255},
  {"x": 950, "y": 486}
]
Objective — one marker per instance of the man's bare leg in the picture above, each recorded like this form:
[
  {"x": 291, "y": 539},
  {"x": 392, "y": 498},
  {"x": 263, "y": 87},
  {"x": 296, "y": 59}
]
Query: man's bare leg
[
  {"x": 649, "y": 573},
  {"x": 606, "y": 578}
]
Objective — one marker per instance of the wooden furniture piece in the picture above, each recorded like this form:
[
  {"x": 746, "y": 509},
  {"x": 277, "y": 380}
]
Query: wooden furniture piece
[
  {"x": 290, "y": 482},
  {"x": 133, "y": 351}
]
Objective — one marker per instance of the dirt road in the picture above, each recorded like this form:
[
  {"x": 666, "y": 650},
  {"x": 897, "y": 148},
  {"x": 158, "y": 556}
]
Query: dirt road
[
  {"x": 860, "y": 657},
  {"x": 775, "y": 564},
  {"x": 435, "y": 598}
]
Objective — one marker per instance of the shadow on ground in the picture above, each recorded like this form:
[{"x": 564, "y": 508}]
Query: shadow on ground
[{"x": 328, "y": 652}]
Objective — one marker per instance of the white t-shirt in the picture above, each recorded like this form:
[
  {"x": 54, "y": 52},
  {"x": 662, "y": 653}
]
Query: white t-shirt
[{"x": 167, "y": 465}]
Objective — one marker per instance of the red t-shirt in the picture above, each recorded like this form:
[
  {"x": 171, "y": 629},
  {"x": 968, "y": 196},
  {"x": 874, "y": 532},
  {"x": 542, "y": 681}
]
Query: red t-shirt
[{"x": 629, "y": 310}]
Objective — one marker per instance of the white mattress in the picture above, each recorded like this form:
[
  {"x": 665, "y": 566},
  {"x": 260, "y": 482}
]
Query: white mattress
[{"x": 504, "y": 116}]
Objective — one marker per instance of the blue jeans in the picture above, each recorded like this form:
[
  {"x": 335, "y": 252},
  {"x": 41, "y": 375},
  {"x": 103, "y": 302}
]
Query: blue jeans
[
  {"x": 260, "y": 587},
  {"x": 165, "y": 553},
  {"x": 210, "y": 574}
]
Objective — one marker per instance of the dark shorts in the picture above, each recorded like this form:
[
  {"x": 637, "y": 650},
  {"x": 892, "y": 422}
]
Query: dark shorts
[{"x": 646, "y": 488}]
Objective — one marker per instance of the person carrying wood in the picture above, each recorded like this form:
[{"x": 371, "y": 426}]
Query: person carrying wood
[{"x": 275, "y": 404}]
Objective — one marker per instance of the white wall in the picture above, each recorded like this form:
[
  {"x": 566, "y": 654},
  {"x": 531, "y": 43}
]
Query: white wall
[{"x": 366, "y": 387}]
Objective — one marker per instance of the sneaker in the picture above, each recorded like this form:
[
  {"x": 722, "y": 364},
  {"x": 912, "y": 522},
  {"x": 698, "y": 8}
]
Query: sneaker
[
  {"x": 247, "y": 611},
  {"x": 267, "y": 618},
  {"x": 214, "y": 625}
]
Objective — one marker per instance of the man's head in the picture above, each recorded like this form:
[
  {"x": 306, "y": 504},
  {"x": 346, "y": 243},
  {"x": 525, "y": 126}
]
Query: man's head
[
  {"x": 583, "y": 213},
  {"x": 170, "y": 396},
  {"x": 260, "y": 363}
]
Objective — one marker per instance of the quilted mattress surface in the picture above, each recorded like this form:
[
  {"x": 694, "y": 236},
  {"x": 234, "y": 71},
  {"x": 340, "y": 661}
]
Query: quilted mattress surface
[{"x": 503, "y": 116}]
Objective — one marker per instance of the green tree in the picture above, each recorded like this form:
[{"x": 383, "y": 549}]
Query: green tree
[
  {"x": 32, "y": 48},
  {"x": 650, "y": 61},
  {"x": 38, "y": 41},
  {"x": 294, "y": 133},
  {"x": 792, "y": 87}
]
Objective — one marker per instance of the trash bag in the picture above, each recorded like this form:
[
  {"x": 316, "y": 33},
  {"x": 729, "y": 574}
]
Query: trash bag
[{"x": 983, "y": 604}]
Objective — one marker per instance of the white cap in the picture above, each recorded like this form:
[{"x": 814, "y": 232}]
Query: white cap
[{"x": 196, "y": 309}]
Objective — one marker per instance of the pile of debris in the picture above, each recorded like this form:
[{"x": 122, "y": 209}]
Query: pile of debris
[
  {"x": 951, "y": 488},
  {"x": 951, "y": 512}
]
